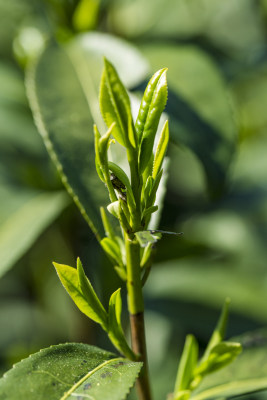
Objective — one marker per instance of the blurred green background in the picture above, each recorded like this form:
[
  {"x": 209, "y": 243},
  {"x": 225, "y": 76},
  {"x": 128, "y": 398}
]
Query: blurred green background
[{"x": 216, "y": 192}]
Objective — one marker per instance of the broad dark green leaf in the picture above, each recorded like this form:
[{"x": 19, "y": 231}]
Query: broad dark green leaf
[
  {"x": 68, "y": 371},
  {"x": 246, "y": 374},
  {"x": 201, "y": 117},
  {"x": 63, "y": 92},
  {"x": 24, "y": 215}
]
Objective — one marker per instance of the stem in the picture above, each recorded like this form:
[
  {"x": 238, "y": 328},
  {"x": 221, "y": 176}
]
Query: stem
[{"x": 136, "y": 310}]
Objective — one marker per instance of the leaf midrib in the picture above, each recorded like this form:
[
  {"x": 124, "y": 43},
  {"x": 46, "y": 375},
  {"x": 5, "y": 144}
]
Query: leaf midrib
[{"x": 90, "y": 373}]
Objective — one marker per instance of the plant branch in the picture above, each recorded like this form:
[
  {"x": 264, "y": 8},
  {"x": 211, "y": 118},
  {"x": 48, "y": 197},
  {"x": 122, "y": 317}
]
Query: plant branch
[{"x": 136, "y": 310}]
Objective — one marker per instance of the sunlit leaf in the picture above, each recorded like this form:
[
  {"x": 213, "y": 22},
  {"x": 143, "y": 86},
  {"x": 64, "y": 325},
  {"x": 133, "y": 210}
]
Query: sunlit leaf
[
  {"x": 246, "y": 374},
  {"x": 67, "y": 371}
]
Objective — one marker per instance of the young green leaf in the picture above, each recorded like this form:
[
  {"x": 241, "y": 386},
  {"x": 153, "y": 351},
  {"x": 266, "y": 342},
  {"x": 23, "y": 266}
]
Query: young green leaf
[
  {"x": 112, "y": 249},
  {"x": 150, "y": 210},
  {"x": 69, "y": 371},
  {"x": 219, "y": 331},
  {"x": 152, "y": 105},
  {"x": 146, "y": 237},
  {"x": 107, "y": 224},
  {"x": 123, "y": 178},
  {"x": 161, "y": 149},
  {"x": 115, "y": 331},
  {"x": 114, "y": 103},
  {"x": 248, "y": 372},
  {"x": 220, "y": 355},
  {"x": 82, "y": 293},
  {"x": 187, "y": 365}
]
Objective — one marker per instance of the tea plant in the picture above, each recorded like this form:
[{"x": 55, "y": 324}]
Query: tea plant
[{"x": 83, "y": 371}]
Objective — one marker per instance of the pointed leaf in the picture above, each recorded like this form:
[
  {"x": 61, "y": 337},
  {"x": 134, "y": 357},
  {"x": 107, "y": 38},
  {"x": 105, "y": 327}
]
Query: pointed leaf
[
  {"x": 187, "y": 365},
  {"x": 152, "y": 106},
  {"x": 68, "y": 371},
  {"x": 114, "y": 102},
  {"x": 82, "y": 293},
  {"x": 115, "y": 331},
  {"x": 219, "y": 332},
  {"x": 161, "y": 149},
  {"x": 63, "y": 92},
  {"x": 221, "y": 355},
  {"x": 248, "y": 373}
]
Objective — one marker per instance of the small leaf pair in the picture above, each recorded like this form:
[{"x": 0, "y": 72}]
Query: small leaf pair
[
  {"x": 82, "y": 293},
  {"x": 218, "y": 354}
]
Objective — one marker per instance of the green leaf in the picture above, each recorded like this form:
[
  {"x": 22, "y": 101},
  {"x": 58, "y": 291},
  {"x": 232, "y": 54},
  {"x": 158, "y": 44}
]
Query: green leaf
[
  {"x": 82, "y": 293},
  {"x": 67, "y": 371},
  {"x": 220, "y": 355},
  {"x": 151, "y": 108},
  {"x": 219, "y": 332},
  {"x": 112, "y": 249},
  {"x": 114, "y": 103},
  {"x": 24, "y": 215},
  {"x": 206, "y": 127},
  {"x": 146, "y": 237},
  {"x": 85, "y": 15},
  {"x": 161, "y": 149},
  {"x": 187, "y": 365},
  {"x": 115, "y": 331},
  {"x": 121, "y": 175},
  {"x": 63, "y": 91},
  {"x": 114, "y": 209},
  {"x": 248, "y": 373}
]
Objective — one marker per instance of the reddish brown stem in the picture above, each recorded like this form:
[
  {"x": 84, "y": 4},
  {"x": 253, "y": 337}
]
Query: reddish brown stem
[{"x": 139, "y": 347}]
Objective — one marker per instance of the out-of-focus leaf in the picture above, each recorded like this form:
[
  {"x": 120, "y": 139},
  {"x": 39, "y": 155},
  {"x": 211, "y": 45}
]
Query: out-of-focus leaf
[
  {"x": 63, "y": 91},
  {"x": 246, "y": 374},
  {"x": 23, "y": 217},
  {"x": 231, "y": 26},
  {"x": 200, "y": 113},
  {"x": 209, "y": 283},
  {"x": 70, "y": 370}
]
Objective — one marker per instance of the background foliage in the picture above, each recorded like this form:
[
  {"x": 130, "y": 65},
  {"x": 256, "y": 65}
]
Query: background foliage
[{"x": 216, "y": 191}]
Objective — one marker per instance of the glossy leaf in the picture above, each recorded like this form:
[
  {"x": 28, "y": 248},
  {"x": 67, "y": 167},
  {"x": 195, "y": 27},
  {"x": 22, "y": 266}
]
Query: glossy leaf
[
  {"x": 114, "y": 103},
  {"x": 161, "y": 149},
  {"x": 151, "y": 108},
  {"x": 67, "y": 371},
  {"x": 24, "y": 215},
  {"x": 115, "y": 331},
  {"x": 82, "y": 293},
  {"x": 248, "y": 373}
]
